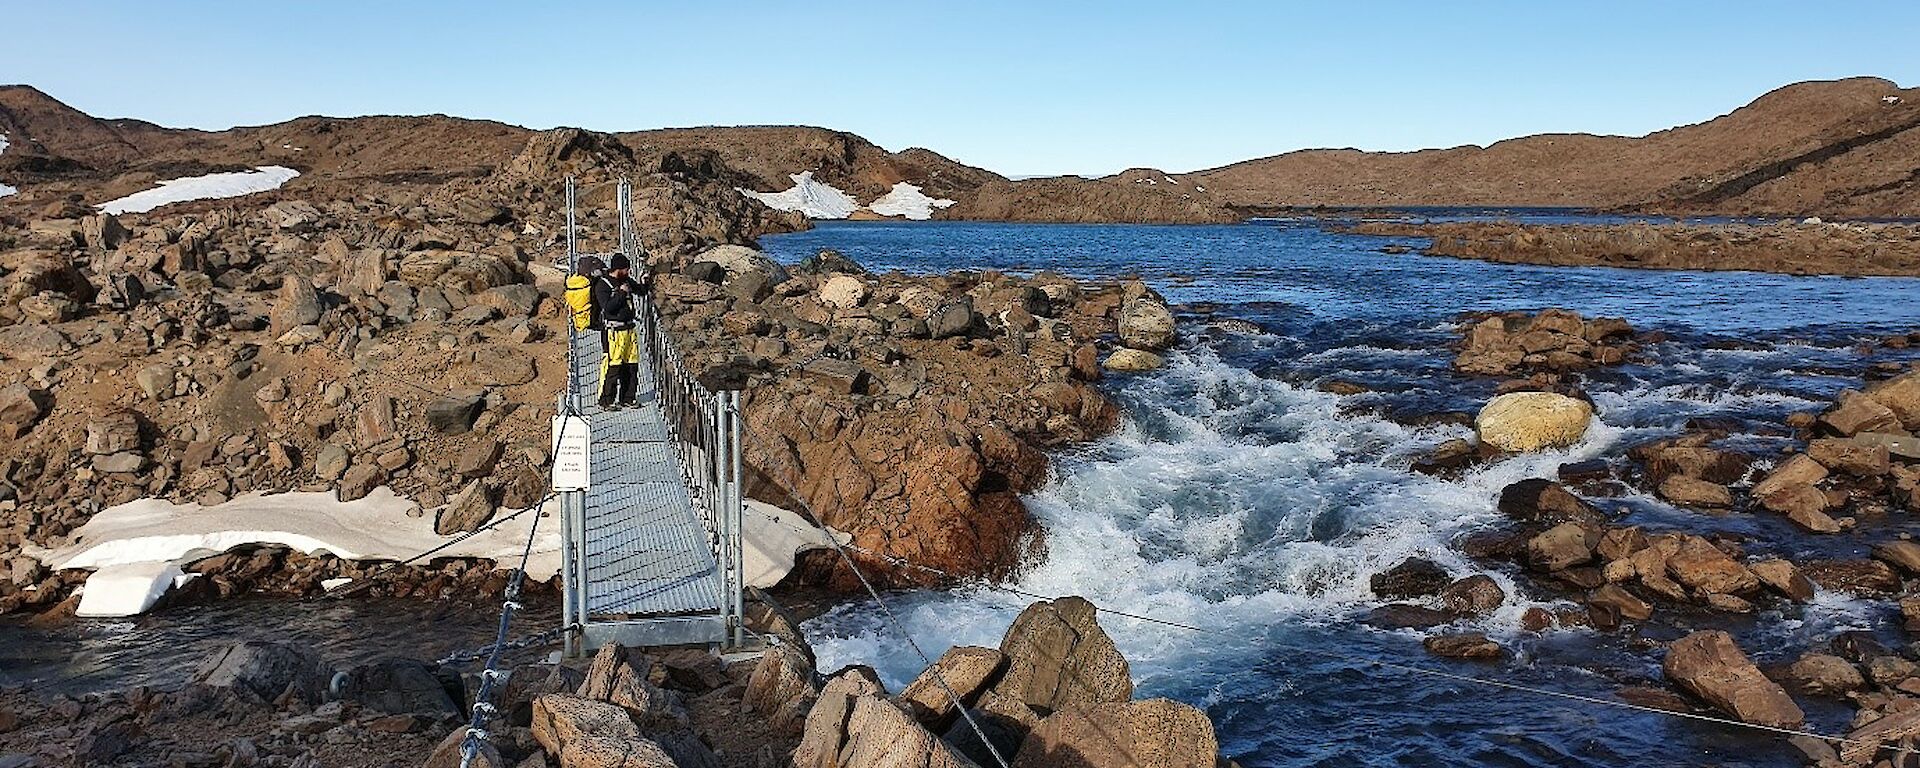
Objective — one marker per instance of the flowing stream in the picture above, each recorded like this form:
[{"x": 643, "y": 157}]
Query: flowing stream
[{"x": 1239, "y": 499}]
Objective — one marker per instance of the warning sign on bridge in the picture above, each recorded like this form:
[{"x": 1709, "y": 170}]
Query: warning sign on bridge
[{"x": 572, "y": 453}]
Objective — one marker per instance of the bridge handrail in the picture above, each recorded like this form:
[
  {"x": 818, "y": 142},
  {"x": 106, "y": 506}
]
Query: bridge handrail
[{"x": 706, "y": 429}]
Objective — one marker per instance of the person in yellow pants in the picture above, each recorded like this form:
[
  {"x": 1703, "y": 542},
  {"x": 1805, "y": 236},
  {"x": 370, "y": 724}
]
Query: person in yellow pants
[{"x": 620, "y": 368}]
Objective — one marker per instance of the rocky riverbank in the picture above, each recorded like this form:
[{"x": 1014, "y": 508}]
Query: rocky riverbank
[
  {"x": 1850, "y": 474},
  {"x": 1052, "y": 694},
  {"x": 1805, "y": 248},
  {"x": 409, "y": 335}
]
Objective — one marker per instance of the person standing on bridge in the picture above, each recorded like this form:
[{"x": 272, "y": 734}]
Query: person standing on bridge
[
  {"x": 613, "y": 295},
  {"x": 580, "y": 297}
]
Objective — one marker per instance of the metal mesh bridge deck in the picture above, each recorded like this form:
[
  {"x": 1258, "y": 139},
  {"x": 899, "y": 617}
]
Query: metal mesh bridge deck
[
  {"x": 646, "y": 552},
  {"x": 652, "y": 553}
]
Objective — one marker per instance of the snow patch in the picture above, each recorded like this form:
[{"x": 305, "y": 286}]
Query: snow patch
[
  {"x": 136, "y": 549},
  {"x": 907, "y": 200},
  {"x": 209, "y": 187},
  {"x": 818, "y": 200},
  {"x": 4, "y": 189}
]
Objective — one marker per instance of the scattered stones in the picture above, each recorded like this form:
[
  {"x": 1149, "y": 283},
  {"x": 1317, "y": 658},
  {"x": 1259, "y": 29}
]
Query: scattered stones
[
  {"x": 1466, "y": 645},
  {"x": 1554, "y": 340}
]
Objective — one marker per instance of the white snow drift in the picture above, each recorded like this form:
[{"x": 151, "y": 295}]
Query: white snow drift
[
  {"x": 209, "y": 187},
  {"x": 820, "y": 200},
  {"x": 907, "y": 200},
  {"x": 4, "y": 189},
  {"x": 136, "y": 550}
]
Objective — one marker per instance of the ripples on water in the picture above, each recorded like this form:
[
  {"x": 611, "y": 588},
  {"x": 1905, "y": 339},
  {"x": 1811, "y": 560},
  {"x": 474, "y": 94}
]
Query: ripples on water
[{"x": 1238, "y": 498}]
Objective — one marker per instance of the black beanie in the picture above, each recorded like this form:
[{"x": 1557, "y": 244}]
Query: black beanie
[{"x": 620, "y": 262}]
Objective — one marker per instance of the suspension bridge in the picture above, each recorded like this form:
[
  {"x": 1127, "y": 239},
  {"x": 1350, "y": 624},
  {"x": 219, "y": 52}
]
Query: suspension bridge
[{"x": 650, "y": 495}]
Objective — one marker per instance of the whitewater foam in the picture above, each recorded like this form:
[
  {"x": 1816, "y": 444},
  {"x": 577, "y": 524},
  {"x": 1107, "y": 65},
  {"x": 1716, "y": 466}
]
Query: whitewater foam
[{"x": 1228, "y": 501}]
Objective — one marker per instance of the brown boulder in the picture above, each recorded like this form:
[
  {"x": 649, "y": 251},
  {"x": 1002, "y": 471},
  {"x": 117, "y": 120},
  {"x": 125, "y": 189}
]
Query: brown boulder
[
  {"x": 605, "y": 752},
  {"x": 1466, "y": 645},
  {"x": 1058, "y": 656},
  {"x": 853, "y": 725},
  {"x": 1782, "y": 577},
  {"x": 1413, "y": 577},
  {"x": 782, "y": 687},
  {"x": 614, "y": 679},
  {"x": 1821, "y": 674},
  {"x": 1544, "y": 501},
  {"x": 559, "y": 719},
  {"x": 1901, "y": 395},
  {"x": 299, "y": 304},
  {"x": 1804, "y": 504},
  {"x": 965, "y": 672},
  {"x": 1854, "y": 412},
  {"x": 1476, "y": 595},
  {"x": 1799, "y": 470},
  {"x": 21, "y": 407},
  {"x": 1709, "y": 665},
  {"x": 1152, "y": 733},
  {"x": 1562, "y": 546},
  {"x": 1621, "y": 602},
  {"x": 1865, "y": 742},
  {"x": 1704, "y": 568},
  {"x": 1851, "y": 456},
  {"x": 1854, "y": 577},
  {"x": 1693, "y": 492},
  {"x": 1900, "y": 553},
  {"x": 449, "y": 752}
]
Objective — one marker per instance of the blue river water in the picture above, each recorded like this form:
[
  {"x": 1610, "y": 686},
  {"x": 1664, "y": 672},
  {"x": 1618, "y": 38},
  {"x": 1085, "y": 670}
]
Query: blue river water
[{"x": 1240, "y": 499}]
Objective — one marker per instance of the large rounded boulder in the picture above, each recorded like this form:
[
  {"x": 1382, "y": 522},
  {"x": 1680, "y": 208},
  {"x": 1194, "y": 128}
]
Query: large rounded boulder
[
  {"x": 1520, "y": 422},
  {"x": 1146, "y": 324}
]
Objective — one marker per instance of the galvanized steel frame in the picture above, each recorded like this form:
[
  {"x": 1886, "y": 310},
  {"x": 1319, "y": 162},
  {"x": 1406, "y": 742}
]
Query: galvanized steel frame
[{"x": 704, "y": 428}]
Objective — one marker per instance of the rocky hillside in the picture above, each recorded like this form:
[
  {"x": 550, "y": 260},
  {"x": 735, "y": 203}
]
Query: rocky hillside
[{"x": 1847, "y": 147}]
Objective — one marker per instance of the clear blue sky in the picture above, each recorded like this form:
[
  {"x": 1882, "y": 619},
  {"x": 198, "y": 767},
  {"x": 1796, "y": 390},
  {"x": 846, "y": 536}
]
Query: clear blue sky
[{"x": 1017, "y": 87}]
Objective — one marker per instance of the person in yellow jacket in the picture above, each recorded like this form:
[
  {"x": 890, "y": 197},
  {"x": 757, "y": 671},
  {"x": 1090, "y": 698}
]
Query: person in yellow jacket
[
  {"x": 613, "y": 295},
  {"x": 580, "y": 297}
]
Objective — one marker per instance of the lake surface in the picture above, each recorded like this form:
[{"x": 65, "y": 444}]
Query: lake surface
[{"x": 1239, "y": 499}]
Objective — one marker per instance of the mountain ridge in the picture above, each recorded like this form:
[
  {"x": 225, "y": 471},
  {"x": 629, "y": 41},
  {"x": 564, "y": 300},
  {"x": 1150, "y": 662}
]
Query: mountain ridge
[{"x": 1841, "y": 148}]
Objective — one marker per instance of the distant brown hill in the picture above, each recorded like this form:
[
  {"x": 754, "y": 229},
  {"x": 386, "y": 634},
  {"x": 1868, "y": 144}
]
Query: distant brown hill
[
  {"x": 1845, "y": 147},
  {"x": 1834, "y": 148}
]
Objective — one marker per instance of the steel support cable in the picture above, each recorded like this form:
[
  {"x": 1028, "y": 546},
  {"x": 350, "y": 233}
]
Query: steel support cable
[
  {"x": 1346, "y": 658},
  {"x": 483, "y": 707}
]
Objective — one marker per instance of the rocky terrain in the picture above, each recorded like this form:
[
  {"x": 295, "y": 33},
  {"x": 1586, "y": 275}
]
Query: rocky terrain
[
  {"x": 371, "y": 326},
  {"x": 1053, "y": 693},
  {"x": 1809, "y": 247},
  {"x": 1854, "y": 474}
]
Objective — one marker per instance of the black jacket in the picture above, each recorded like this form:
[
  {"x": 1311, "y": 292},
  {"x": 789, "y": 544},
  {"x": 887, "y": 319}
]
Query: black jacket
[{"x": 613, "y": 302}]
